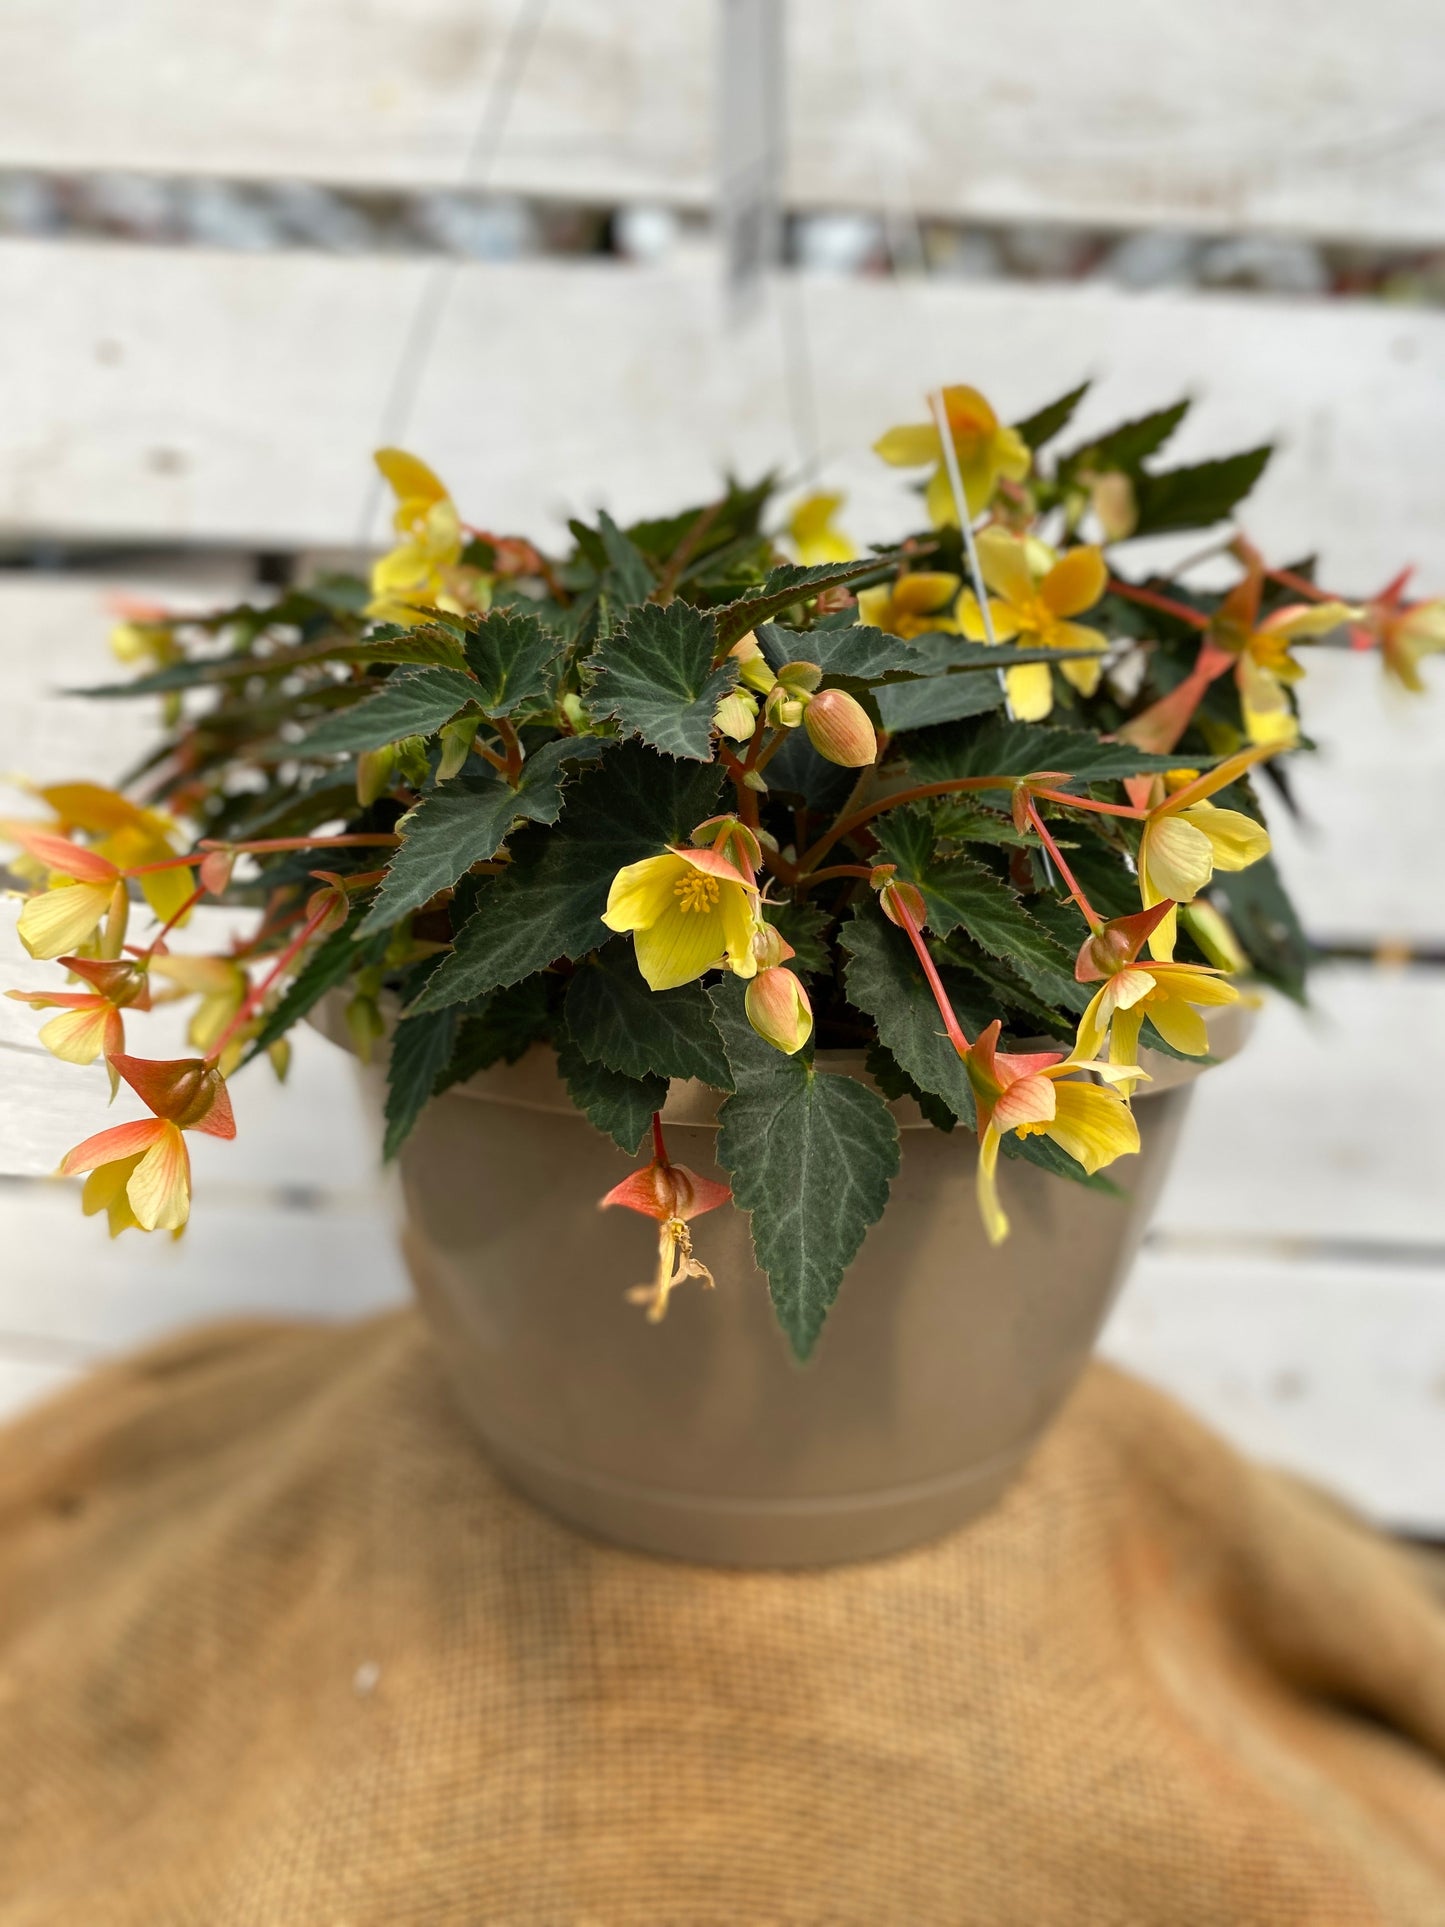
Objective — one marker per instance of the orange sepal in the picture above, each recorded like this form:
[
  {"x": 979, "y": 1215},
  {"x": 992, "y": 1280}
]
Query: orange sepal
[
  {"x": 664, "y": 1191},
  {"x": 107, "y": 1147},
  {"x": 1117, "y": 943},
  {"x": 184, "y": 1090}
]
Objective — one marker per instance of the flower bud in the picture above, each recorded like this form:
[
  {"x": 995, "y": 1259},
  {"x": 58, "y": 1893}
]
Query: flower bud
[
  {"x": 730, "y": 838},
  {"x": 1214, "y": 934},
  {"x": 215, "y": 870},
  {"x": 374, "y": 771},
  {"x": 755, "y": 671},
  {"x": 735, "y": 715},
  {"x": 892, "y": 894},
  {"x": 778, "y": 1010},
  {"x": 771, "y": 947},
  {"x": 184, "y": 1090},
  {"x": 456, "y": 741},
  {"x": 784, "y": 711},
  {"x": 330, "y": 903},
  {"x": 839, "y": 729},
  {"x": 800, "y": 678}
]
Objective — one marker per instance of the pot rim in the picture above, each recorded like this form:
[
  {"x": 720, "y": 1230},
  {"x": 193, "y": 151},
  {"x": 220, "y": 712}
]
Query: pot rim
[{"x": 533, "y": 1082}]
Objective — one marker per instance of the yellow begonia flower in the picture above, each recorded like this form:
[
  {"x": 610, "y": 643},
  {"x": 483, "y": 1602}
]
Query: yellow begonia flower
[
  {"x": 1039, "y": 1092},
  {"x": 126, "y": 833},
  {"x": 1186, "y": 839},
  {"x": 1406, "y": 634},
  {"x": 1033, "y": 608},
  {"x": 220, "y": 984},
  {"x": 86, "y": 890},
  {"x": 1264, "y": 666},
  {"x": 423, "y": 572},
  {"x": 814, "y": 538},
  {"x": 986, "y": 450},
  {"x": 140, "y": 1174},
  {"x": 912, "y": 604},
  {"x": 692, "y": 911},
  {"x": 1168, "y": 994}
]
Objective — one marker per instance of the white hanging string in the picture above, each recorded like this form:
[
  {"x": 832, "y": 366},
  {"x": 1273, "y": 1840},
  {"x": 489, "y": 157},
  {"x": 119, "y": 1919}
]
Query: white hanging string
[{"x": 420, "y": 339}]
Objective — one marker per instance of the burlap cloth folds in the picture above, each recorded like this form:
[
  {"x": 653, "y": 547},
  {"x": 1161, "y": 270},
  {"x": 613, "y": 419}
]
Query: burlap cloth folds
[{"x": 276, "y": 1647}]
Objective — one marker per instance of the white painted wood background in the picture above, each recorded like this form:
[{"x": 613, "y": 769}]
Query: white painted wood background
[{"x": 1294, "y": 1289}]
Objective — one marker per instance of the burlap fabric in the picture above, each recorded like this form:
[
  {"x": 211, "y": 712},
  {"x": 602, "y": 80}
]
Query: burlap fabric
[{"x": 277, "y": 1647}]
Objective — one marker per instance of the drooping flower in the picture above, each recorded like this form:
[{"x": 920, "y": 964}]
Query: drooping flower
[
  {"x": 1404, "y": 632},
  {"x": 86, "y": 890},
  {"x": 129, "y": 835},
  {"x": 778, "y": 1009},
  {"x": 90, "y": 1023},
  {"x": 424, "y": 571},
  {"x": 1170, "y": 995},
  {"x": 987, "y": 450},
  {"x": 911, "y": 604},
  {"x": 1264, "y": 666},
  {"x": 671, "y": 1194},
  {"x": 1186, "y": 839},
  {"x": 814, "y": 536},
  {"x": 140, "y": 1173},
  {"x": 1041, "y": 1092},
  {"x": 1034, "y": 594},
  {"x": 691, "y": 911}
]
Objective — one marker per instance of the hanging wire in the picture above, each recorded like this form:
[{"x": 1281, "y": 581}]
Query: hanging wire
[{"x": 421, "y": 335}]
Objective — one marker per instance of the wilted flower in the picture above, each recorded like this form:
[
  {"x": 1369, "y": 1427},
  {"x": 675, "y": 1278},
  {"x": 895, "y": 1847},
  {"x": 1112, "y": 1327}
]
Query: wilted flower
[
  {"x": 692, "y": 911},
  {"x": 986, "y": 451},
  {"x": 140, "y": 1174},
  {"x": 1035, "y": 610},
  {"x": 670, "y": 1194}
]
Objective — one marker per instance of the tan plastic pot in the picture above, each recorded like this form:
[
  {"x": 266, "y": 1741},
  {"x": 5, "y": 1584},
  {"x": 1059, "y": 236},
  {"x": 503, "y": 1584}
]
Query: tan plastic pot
[{"x": 939, "y": 1368}]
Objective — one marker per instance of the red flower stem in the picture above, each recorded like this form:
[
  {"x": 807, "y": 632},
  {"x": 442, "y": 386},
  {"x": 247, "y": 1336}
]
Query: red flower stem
[
  {"x": 1287, "y": 579},
  {"x": 839, "y": 870},
  {"x": 170, "y": 923},
  {"x": 1089, "y": 803},
  {"x": 256, "y": 994},
  {"x": 1063, "y": 869},
  {"x": 512, "y": 745},
  {"x": 956, "y": 1034},
  {"x": 1150, "y": 599},
  {"x": 918, "y": 794},
  {"x": 659, "y": 1148},
  {"x": 261, "y": 846}
]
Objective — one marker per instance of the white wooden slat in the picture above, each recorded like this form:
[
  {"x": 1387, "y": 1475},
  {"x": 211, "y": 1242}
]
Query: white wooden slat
[
  {"x": 1227, "y": 116},
  {"x": 179, "y": 393},
  {"x": 1327, "y": 1127},
  {"x": 1334, "y": 1371},
  {"x": 54, "y": 632}
]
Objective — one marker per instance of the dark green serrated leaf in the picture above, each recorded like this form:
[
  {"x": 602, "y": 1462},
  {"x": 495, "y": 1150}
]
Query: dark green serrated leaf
[
  {"x": 1129, "y": 444},
  {"x": 1018, "y": 749},
  {"x": 330, "y": 964},
  {"x": 656, "y": 676},
  {"x": 1199, "y": 496},
  {"x": 549, "y": 901},
  {"x": 422, "y": 646},
  {"x": 619, "y": 1106},
  {"x": 958, "y": 890},
  {"x": 936, "y": 699},
  {"x": 631, "y": 577},
  {"x": 894, "y": 1082},
  {"x": 420, "y": 1047},
  {"x": 789, "y": 584},
  {"x": 811, "y": 1157},
  {"x": 510, "y": 654},
  {"x": 615, "y": 1020},
  {"x": 467, "y": 822},
  {"x": 1045, "y": 423},
  {"x": 799, "y": 770},
  {"x": 860, "y": 651},
  {"x": 506, "y": 1026},
  {"x": 414, "y": 703},
  {"x": 884, "y": 980}
]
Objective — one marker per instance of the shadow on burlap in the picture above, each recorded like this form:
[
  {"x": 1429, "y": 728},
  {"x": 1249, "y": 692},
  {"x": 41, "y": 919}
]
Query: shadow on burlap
[{"x": 276, "y": 1647}]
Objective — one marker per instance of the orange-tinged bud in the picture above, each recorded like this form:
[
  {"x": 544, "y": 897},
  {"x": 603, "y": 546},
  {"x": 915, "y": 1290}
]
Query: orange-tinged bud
[
  {"x": 732, "y": 838},
  {"x": 839, "y": 729},
  {"x": 778, "y": 1010},
  {"x": 330, "y": 904},
  {"x": 183, "y": 1090},
  {"x": 1115, "y": 945},
  {"x": 893, "y": 894},
  {"x": 215, "y": 871},
  {"x": 771, "y": 947}
]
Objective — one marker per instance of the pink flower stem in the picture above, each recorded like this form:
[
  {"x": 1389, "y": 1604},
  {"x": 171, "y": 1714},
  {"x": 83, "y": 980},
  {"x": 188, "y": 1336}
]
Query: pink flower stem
[
  {"x": 659, "y": 1147},
  {"x": 1166, "y": 605},
  {"x": 1087, "y": 909},
  {"x": 256, "y": 994},
  {"x": 170, "y": 923},
  {"x": 906, "y": 919},
  {"x": 1088, "y": 803}
]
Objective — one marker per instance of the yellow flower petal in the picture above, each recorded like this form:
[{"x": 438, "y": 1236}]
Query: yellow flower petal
[
  {"x": 1179, "y": 1024},
  {"x": 1235, "y": 840},
  {"x": 970, "y": 618},
  {"x": 61, "y": 920},
  {"x": 1093, "y": 1125},
  {"x": 1005, "y": 565},
  {"x": 641, "y": 892},
  {"x": 1030, "y": 690},
  {"x": 679, "y": 947},
  {"x": 1084, "y": 673},
  {"x": 1094, "y": 1023},
  {"x": 1075, "y": 582},
  {"x": 408, "y": 477},
  {"x": 1176, "y": 859},
  {"x": 995, "y": 1224},
  {"x": 1124, "y": 1043},
  {"x": 105, "y": 1190},
  {"x": 80, "y": 1036},
  {"x": 159, "y": 1189},
  {"x": 910, "y": 446}
]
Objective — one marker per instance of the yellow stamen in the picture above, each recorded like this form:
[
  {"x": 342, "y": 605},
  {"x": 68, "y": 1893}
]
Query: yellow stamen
[{"x": 696, "y": 892}]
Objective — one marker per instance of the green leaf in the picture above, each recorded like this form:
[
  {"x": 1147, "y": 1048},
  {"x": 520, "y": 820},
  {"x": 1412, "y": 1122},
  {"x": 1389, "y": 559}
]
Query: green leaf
[
  {"x": 936, "y": 699},
  {"x": 894, "y": 1082},
  {"x": 958, "y": 890},
  {"x": 883, "y": 979},
  {"x": 1197, "y": 497},
  {"x": 549, "y": 901},
  {"x": 506, "y": 1026},
  {"x": 615, "y": 1104},
  {"x": 467, "y": 822},
  {"x": 615, "y": 1020},
  {"x": 510, "y": 654},
  {"x": 1266, "y": 924},
  {"x": 860, "y": 651},
  {"x": 811, "y": 1157},
  {"x": 656, "y": 676},
  {"x": 1045, "y": 423},
  {"x": 330, "y": 964},
  {"x": 1129, "y": 444},
  {"x": 802, "y": 925},
  {"x": 632, "y": 578},
  {"x": 423, "y": 646},
  {"x": 1017, "y": 749},
  {"x": 420, "y": 1047},
  {"x": 791, "y": 583},
  {"x": 415, "y": 703}
]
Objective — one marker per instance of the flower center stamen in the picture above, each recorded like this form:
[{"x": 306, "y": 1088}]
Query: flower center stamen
[{"x": 696, "y": 892}]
